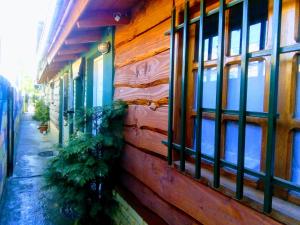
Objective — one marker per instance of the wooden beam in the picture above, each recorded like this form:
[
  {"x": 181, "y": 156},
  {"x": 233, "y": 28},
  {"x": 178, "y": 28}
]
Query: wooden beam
[
  {"x": 73, "y": 49},
  {"x": 148, "y": 198},
  {"x": 103, "y": 18},
  {"x": 63, "y": 58},
  {"x": 84, "y": 37},
  {"x": 197, "y": 200}
]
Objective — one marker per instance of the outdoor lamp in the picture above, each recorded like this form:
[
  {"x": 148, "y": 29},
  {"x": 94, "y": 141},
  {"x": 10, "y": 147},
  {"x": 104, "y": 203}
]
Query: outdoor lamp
[{"x": 104, "y": 47}]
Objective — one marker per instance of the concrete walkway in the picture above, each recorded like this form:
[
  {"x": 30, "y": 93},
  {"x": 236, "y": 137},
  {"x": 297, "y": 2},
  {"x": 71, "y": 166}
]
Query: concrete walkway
[{"x": 25, "y": 201}]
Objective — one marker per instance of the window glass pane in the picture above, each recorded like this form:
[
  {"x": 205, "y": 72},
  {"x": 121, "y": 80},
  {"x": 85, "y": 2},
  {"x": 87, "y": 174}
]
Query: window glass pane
[
  {"x": 252, "y": 145},
  {"x": 209, "y": 87},
  {"x": 233, "y": 92},
  {"x": 297, "y": 105},
  {"x": 208, "y": 137},
  {"x": 296, "y": 158},
  {"x": 257, "y": 20},
  {"x": 255, "y": 87},
  {"x": 206, "y": 49},
  {"x": 254, "y": 37},
  {"x": 214, "y": 51},
  {"x": 235, "y": 37}
]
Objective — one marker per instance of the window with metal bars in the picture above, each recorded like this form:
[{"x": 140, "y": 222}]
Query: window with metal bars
[{"x": 224, "y": 111}]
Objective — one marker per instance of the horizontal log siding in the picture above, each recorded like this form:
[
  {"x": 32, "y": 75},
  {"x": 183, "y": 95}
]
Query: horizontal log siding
[{"x": 141, "y": 79}]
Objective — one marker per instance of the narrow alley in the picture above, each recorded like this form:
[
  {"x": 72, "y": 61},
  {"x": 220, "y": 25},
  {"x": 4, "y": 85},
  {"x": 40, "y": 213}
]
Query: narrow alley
[{"x": 25, "y": 199}]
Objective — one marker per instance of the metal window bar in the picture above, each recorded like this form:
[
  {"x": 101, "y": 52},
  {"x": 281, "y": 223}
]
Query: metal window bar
[
  {"x": 243, "y": 102},
  {"x": 218, "y": 116},
  {"x": 184, "y": 85},
  {"x": 171, "y": 86},
  {"x": 272, "y": 115},
  {"x": 273, "y": 95},
  {"x": 200, "y": 91}
]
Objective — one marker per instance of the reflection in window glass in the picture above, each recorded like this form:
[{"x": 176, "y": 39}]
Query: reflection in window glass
[
  {"x": 252, "y": 145},
  {"x": 206, "y": 49},
  {"x": 297, "y": 105},
  {"x": 235, "y": 37},
  {"x": 257, "y": 20},
  {"x": 209, "y": 88},
  {"x": 296, "y": 158},
  {"x": 254, "y": 37},
  {"x": 233, "y": 94},
  {"x": 214, "y": 51},
  {"x": 208, "y": 137},
  {"x": 255, "y": 87}
]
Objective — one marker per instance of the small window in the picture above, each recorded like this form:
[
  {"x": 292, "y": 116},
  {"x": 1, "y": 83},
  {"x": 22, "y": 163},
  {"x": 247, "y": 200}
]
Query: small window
[
  {"x": 209, "y": 88},
  {"x": 208, "y": 137},
  {"x": 255, "y": 87},
  {"x": 297, "y": 105},
  {"x": 252, "y": 145},
  {"x": 296, "y": 159},
  {"x": 257, "y": 31}
]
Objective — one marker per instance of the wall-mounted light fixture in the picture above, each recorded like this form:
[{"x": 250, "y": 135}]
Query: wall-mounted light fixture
[
  {"x": 104, "y": 47},
  {"x": 117, "y": 16}
]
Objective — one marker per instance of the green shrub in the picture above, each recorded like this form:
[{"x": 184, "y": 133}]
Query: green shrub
[
  {"x": 84, "y": 172},
  {"x": 41, "y": 113}
]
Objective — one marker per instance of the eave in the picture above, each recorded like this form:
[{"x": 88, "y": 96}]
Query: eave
[{"x": 79, "y": 28}]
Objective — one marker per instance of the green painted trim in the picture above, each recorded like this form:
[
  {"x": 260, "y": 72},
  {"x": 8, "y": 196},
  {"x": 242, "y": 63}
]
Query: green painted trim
[
  {"x": 61, "y": 109},
  {"x": 108, "y": 71},
  {"x": 108, "y": 67}
]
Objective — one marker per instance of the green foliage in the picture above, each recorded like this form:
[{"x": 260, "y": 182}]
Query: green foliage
[
  {"x": 85, "y": 171},
  {"x": 41, "y": 111}
]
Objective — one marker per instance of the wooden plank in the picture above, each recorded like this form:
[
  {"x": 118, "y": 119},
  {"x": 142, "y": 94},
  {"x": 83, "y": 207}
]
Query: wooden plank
[
  {"x": 65, "y": 58},
  {"x": 143, "y": 116},
  {"x": 197, "y": 200},
  {"x": 146, "y": 15},
  {"x": 149, "y": 199},
  {"x": 101, "y": 18},
  {"x": 73, "y": 49},
  {"x": 146, "y": 139},
  {"x": 145, "y": 73},
  {"x": 152, "y": 93},
  {"x": 83, "y": 38},
  {"x": 144, "y": 46}
]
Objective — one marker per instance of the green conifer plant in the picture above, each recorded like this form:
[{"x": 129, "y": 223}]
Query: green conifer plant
[{"x": 85, "y": 171}]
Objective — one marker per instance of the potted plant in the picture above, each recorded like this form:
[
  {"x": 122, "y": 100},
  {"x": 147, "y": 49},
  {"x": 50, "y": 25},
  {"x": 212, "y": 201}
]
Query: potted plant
[
  {"x": 85, "y": 171},
  {"x": 42, "y": 115}
]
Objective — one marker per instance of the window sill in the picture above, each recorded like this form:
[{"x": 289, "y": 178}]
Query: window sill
[{"x": 283, "y": 211}]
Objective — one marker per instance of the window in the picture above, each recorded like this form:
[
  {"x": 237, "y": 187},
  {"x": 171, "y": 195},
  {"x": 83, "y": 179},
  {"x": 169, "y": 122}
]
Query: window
[{"x": 222, "y": 143}]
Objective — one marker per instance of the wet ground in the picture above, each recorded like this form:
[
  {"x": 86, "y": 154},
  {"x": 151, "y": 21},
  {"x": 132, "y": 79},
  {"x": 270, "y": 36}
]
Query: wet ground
[{"x": 25, "y": 200}]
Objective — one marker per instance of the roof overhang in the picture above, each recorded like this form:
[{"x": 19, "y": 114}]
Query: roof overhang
[{"x": 79, "y": 27}]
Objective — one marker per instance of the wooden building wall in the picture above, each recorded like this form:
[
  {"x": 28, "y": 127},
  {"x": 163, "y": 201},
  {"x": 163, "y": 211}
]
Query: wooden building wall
[{"x": 141, "y": 79}]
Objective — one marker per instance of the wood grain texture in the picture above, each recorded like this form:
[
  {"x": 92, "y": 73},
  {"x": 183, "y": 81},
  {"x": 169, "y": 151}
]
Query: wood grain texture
[
  {"x": 146, "y": 139},
  {"x": 148, "y": 72},
  {"x": 144, "y": 46},
  {"x": 201, "y": 202},
  {"x": 152, "y": 93},
  {"x": 158, "y": 11},
  {"x": 149, "y": 199},
  {"x": 143, "y": 116}
]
